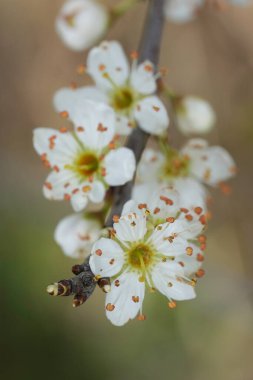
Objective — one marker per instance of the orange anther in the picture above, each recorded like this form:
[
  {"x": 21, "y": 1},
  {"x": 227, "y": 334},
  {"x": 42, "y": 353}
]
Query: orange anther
[
  {"x": 63, "y": 130},
  {"x": 172, "y": 304},
  {"x": 101, "y": 67},
  {"x": 200, "y": 257},
  {"x": 115, "y": 218},
  {"x": 200, "y": 273},
  {"x": 101, "y": 128},
  {"x": 142, "y": 205},
  {"x": 110, "y": 307},
  {"x": 56, "y": 168},
  {"x": 166, "y": 200},
  {"x": 202, "y": 219},
  {"x": 81, "y": 69},
  {"x": 48, "y": 185},
  {"x": 64, "y": 114},
  {"x": 198, "y": 210},
  {"x": 141, "y": 317}
]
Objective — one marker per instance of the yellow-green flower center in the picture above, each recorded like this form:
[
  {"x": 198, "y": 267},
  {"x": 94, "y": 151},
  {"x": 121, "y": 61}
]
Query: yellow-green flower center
[
  {"x": 87, "y": 164},
  {"x": 122, "y": 99},
  {"x": 140, "y": 256},
  {"x": 175, "y": 165}
]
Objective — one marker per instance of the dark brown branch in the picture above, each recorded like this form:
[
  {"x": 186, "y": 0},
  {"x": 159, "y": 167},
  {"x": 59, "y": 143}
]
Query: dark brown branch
[
  {"x": 84, "y": 283},
  {"x": 149, "y": 49}
]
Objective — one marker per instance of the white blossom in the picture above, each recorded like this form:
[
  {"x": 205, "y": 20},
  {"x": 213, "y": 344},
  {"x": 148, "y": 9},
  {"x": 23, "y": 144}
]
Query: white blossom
[
  {"x": 83, "y": 165},
  {"x": 181, "y": 11},
  {"x": 194, "y": 115},
  {"x": 129, "y": 91},
  {"x": 165, "y": 257},
  {"x": 195, "y": 165},
  {"x": 76, "y": 234},
  {"x": 81, "y": 23}
]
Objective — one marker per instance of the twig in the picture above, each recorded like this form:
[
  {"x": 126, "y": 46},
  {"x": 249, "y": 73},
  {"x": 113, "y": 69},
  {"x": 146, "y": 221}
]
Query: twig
[
  {"x": 84, "y": 283},
  {"x": 149, "y": 49}
]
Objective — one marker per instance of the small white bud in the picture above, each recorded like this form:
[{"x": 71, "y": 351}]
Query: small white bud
[
  {"x": 194, "y": 115},
  {"x": 181, "y": 11},
  {"x": 81, "y": 23}
]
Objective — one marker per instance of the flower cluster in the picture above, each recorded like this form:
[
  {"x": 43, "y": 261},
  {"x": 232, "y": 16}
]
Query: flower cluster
[{"x": 156, "y": 242}]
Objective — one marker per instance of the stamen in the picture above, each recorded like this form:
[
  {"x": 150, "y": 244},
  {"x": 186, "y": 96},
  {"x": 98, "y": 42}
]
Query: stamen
[{"x": 172, "y": 304}]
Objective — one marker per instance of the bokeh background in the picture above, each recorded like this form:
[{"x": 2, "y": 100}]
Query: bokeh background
[{"x": 45, "y": 338}]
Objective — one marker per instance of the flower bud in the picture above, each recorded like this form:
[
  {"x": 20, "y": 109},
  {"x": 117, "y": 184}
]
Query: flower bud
[
  {"x": 181, "y": 11},
  {"x": 194, "y": 115},
  {"x": 81, "y": 23},
  {"x": 76, "y": 234}
]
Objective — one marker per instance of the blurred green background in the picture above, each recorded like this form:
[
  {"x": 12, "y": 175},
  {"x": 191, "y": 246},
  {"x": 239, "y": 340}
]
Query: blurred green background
[{"x": 45, "y": 338}]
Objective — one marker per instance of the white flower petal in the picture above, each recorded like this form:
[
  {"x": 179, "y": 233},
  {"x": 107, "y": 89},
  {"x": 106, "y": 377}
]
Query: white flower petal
[
  {"x": 150, "y": 165},
  {"x": 125, "y": 298},
  {"x": 58, "y": 148},
  {"x": 107, "y": 258},
  {"x": 142, "y": 192},
  {"x": 189, "y": 228},
  {"x": 142, "y": 78},
  {"x": 60, "y": 184},
  {"x": 120, "y": 166},
  {"x": 164, "y": 203},
  {"x": 166, "y": 241},
  {"x": 97, "y": 192},
  {"x": 211, "y": 165},
  {"x": 190, "y": 263},
  {"x": 75, "y": 235},
  {"x": 94, "y": 124},
  {"x": 108, "y": 58},
  {"x": 75, "y": 23},
  {"x": 191, "y": 192},
  {"x": 152, "y": 115},
  {"x": 131, "y": 207},
  {"x": 79, "y": 201},
  {"x": 130, "y": 228},
  {"x": 164, "y": 278},
  {"x": 67, "y": 99},
  {"x": 124, "y": 125}
]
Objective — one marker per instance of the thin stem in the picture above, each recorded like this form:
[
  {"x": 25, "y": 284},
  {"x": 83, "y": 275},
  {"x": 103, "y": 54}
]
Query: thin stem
[{"x": 121, "y": 8}]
